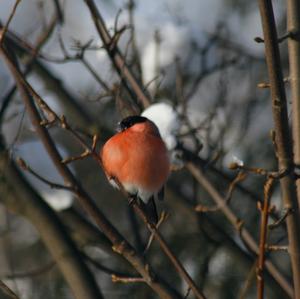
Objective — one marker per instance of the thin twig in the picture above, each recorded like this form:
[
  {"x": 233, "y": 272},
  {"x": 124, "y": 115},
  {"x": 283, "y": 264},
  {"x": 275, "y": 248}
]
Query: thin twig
[
  {"x": 239, "y": 178},
  {"x": 59, "y": 11},
  {"x": 7, "y": 292},
  {"x": 238, "y": 225},
  {"x": 120, "y": 245},
  {"x": 5, "y": 28},
  {"x": 283, "y": 139},
  {"x": 28, "y": 63},
  {"x": 293, "y": 27},
  {"x": 163, "y": 217},
  {"x": 260, "y": 171},
  {"x": 116, "y": 278},
  {"x": 53, "y": 185},
  {"x": 165, "y": 248},
  {"x": 117, "y": 58},
  {"x": 187, "y": 293},
  {"x": 25, "y": 201},
  {"x": 247, "y": 283},
  {"x": 263, "y": 238},
  {"x": 281, "y": 219},
  {"x": 197, "y": 161},
  {"x": 135, "y": 52},
  {"x": 277, "y": 248}
]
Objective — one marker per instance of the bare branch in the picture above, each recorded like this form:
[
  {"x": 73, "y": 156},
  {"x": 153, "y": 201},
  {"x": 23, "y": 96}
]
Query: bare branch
[
  {"x": 6, "y": 292},
  {"x": 263, "y": 238},
  {"x": 119, "y": 243},
  {"x": 281, "y": 219},
  {"x": 5, "y": 28},
  {"x": 282, "y": 136},
  {"x": 163, "y": 217},
  {"x": 237, "y": 224},
  {"x": 240, "y": 177},
  {"x": 117, "y": 58},
  {"x": 25, "y": 201},
  {"x": 116, "y": 278},
  {"x": 165, "y": 248},
  {"x": 26, "y": 167}
]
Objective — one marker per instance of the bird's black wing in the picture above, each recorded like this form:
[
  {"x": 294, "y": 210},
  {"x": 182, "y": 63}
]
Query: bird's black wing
[
  {"x": 150, "y": 210},
  {"x": 161, "y": 193}
]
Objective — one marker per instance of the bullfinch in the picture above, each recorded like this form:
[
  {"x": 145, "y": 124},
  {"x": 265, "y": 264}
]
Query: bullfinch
[{"x": 137, "y": 158}]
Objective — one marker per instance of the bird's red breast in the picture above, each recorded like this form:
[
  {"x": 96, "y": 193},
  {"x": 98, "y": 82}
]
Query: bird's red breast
[{"x": 138, "y": 158}]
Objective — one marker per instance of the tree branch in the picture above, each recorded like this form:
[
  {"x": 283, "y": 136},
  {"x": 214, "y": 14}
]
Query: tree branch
[
  {"x": 120, "y": 245},
  {"x": 263, "y": 238},
  {"x": 6, "y": 292},
  {"x": 134, "y": 88},
  {"x": 24, "y": 200},
  {"x": 282, "y": 136},
  {"x": 232, "y": 218},
  {"x": 293, "y": 25}
]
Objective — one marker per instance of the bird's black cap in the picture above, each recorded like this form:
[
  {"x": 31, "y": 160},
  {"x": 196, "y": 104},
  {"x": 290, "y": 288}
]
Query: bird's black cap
[{"x": 130, "y": 121}]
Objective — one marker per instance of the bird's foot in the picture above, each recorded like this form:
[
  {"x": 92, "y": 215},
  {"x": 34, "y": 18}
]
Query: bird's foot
[{"x": 132, "y": 200}]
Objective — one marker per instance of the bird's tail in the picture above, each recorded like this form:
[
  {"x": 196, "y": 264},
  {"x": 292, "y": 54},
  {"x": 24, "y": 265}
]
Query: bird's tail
[{"x": 150, "y": 210}]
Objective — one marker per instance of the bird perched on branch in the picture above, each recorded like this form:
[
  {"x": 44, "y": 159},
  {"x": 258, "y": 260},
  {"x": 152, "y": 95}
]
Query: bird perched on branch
[{"x": 137, "y": 158}]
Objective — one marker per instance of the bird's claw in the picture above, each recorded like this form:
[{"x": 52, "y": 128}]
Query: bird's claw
[{"x": 132, "y": 200}]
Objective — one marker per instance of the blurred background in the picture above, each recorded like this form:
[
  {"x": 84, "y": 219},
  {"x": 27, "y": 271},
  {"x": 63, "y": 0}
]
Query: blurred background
[{"x": 198, "y": 58}]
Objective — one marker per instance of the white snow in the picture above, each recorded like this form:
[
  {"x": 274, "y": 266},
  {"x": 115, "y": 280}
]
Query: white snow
[
  {"x": 238, "y": 161},
  {"x": 167, "y": 120}
]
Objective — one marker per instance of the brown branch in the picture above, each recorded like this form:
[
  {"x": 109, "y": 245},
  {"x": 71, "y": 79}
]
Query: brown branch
[
  {"x": 263, "y": 172},
  {"x": 84, "y": 233},
  {"x": 5, "y": 28},
  {"x": 240, "y": 177},
  {"x": 116, "y": 278},
  {"x": 293, "y": 25},
  {"x": 53, "y": 185},
  {"x": 151, "y": 227},
  {"x": 26, "y": 202},
  {"x": 282, "y": 136},
  {"x": 165, "y": 248},
  {"x": 168, "y": 252},
  {"x": 235, "y": 221},
  {"x": 204, "y": 164},
  {"x": 55, "y": 84},
  {"x": 59, "y": 11},
  {"x": 120, "y": 245},
  {"x": 163, "y": 217},
  {"x": 277, "y": 248},
  {"x": 281, "y": 219},
  {"x": 6, "y": 292},
  {"x": 247, "y": 283},
  {"x": 135, "y": 88},
  {"x": 263, "y": 238},
  {"x": 136, "y": 61},
  {"x": 217, "y": 231},
  {"x": 28, "y": 63}
]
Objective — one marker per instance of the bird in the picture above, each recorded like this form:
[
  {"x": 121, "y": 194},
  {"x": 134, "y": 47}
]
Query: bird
[{"x": 137, "y": 158}]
